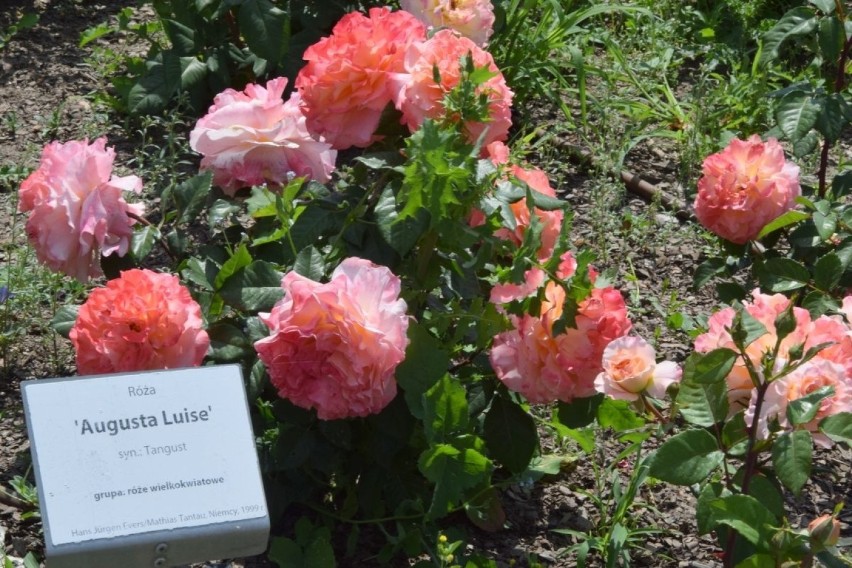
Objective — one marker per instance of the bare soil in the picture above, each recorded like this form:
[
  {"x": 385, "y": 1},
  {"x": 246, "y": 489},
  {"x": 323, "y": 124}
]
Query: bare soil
[{"x": 46, "y": 83}]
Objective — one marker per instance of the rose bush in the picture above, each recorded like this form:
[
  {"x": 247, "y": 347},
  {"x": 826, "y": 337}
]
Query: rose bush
[
  {"x": 335, "y": 346},
  {"x": 744, "y": 187},
  {"x": 252, "y": 136},
  {"x": 142, "y": 320},
  {"x": 76, "y": 207}
]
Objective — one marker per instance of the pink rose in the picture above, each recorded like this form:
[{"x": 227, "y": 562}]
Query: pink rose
[
  {"x": 77, "y": 210},
  {"x": 352, "y": 75},
  {"x": 143, "y": 320},
  {"x": 335, "y": 346},
  {"x": 807, "y": 378},
  {"x": 473, "y": 19},
  {"x": 252, "y": 137},
  {"x": 744, "y": 187},
  {"x": 825, "y": 530},
  {"x": 421, "y": 97},
  {"x": 630, "y": 368},
  {"x": 544, "y": 366}
]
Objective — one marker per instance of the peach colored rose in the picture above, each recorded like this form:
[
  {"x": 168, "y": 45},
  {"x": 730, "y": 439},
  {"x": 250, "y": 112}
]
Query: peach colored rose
[
  {"x": 421, "y": 97},
  {"x": 352, "y": 75},
  {"x": 764, "y": 308},
  {"x": 335, "y": 346},
  {"x": 630, "y": 368},
  {"x": 546, "y": 367},
  {"x": 744, "y": 187},
  {"x": 825, "y": 530},
  {"x": 804, "y": 380},
  {"x": 252, "y": 137},
  {"x": 140, "y": 321},
  {"x": 77, "y": 209},
  {"x": 473, "y": 19}
]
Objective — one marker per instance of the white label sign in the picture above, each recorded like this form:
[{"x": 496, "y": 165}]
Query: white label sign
[{"x": 135, "y": 453}]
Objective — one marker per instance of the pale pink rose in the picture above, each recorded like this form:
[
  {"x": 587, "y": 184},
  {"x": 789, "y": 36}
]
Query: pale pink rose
[
  {"x": 764, "y": 308},
  {"x": 142, "y": 320},
  {"x": 77, "y": 209},
  {"x": 546, "y": 367},
  {"x": 352, "y": 75},
  {"x": 335, "y": 346},
  {"x": 630, "y": 369},
  {"x": 825, "y": 530},
  {"x": 838, "y": 334},
  {"x": 252, "y": 137},
  {"x": 807, "y": 378},
  {"x": 473, "y": 19},
  {"x": 744, "y": 187},
  {"x": 421, "y": 97}
]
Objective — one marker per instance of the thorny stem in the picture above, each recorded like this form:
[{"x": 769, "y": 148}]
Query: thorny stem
[{"x": 839, "y": 85}]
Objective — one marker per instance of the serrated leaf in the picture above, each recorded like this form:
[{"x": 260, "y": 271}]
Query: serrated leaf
[
  {"x": 830, "y": 121},
  {"x": 618, "y": 415},
  {"x": 804, "y": 409},
  {"x": 265, "y": 28},
  {"x": 254, "y": 288},
  {"x": 486, "y": 512},
  {"x": 824, "y": 6},
  {"x": 310, "y": 263},
  {"x": 782, "y": 275},
  {"x": 746, "y": 515},
  {"x": 703, "y": 513},
  {"x": 402, "y": 235},
  {"x": 711, "y": 367},
  {"x": 228, "y": 343},
  {"x": 64, "y": 319},
  {"x": 510, "y": 434},
  {"x": 219, "y": 213},
  {"x": 791, "y": 457},
  {"x": 798, "y": 21},
  {"x": 143, "y": 241},
  {"x": 579, "y": 412},
  {"x": 240, "y": 259},
  {"x": 796, "y": 114},
  {"x": 181, "y": 36},
  {"x": 769, "y": 493},
  {"x": 156, "y": 86},
  {"x": 838, "y": 427},
  {"x": 425, "y": 363},
  {"x": 827, "y": 272},
  {"x": 445, "y": 410},
  {"x": 191, "y": 195},
  {"x": 784, "y": 220},
  {"x": 707, "y": 270},
  {"x": 452, "y": 469},
  {"x": 686, "y": 458},
  {"x": 806, "y": 145},
  {"x": 703, "y": 404}
]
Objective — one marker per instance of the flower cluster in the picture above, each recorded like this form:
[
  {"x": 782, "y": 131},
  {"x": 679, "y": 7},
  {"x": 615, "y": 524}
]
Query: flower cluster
[
  {"x": 744, "y": 187},
  {"x": 253, "y": 137},
  {"x": 335, "y": 346},
  {"x": 830, "y": 367},
  {"x": 142, "y": 320},
  {"x": 77, "y": 207},
  {"x": 545, "y": 365},
  {"x": 473, "y": 19}
]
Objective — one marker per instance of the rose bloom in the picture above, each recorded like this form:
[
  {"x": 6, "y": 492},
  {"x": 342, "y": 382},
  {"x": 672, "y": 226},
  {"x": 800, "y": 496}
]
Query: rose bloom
[
  {"x": 744, "y": 187},
  {"x": 335, "y": 346},
  {"x": 804, "y": 380},
  {"x": 630, "y": 368},
  {"x": 140, "y": 321},
  {"x": 545, "y": 367},
  {"x": 421, "y": 97},
  {"x": 352, "y": 75},
  {"x": 473, "y": 19},
  {"x": 764, "y": 308},
  {"x": 77, "y": 209},
  {"x": 252, "y": 137}
]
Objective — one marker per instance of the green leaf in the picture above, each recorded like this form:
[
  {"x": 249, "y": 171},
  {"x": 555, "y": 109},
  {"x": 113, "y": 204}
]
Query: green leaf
[
  {"x": 30, "y": 561},
  {"x": 825, "y": 224},
  {"x": 580, "y": 411},
  {"x": 219, "y": 213},
  {"x": 828, "y": 559},
  {"x": 791, "y": 457},
  {"x": 618, "y": 415},
  {"x": 707, "y": 270},
  {"x": 253, "y": 288},
  {"x": 686, "y": 458},
  {"x": 161, "y": 80},
  {"x": 310, "y": 263},
  {"x": 746, "y": 329},
  {"x": 510, "y": 434},
  {"x": 806, "y": 145},
  {"x": 453, "y": 469},
  {"x": 830, "y": 121},
  {"x": 703, "y": 512},
  {"x": 191, "y": 195},
  {"x": 445, "y": 410},
  {"x": 768, "y": 492},
  {"x": 424, "y": 364},
  {"x": 91, "y": 34},
  {"x": 181, "y": 36},
  {"x": 818, "y": 303},
  {"x": 266, "y": 29},
  {"x": 804, "y": 409},
  {"x": 711, "y": 367},
  {"x": 838, "y": 427},
  {"x": 228, "y": 343},
  {"x": 796, "y": 114},
  {"x": 143, "y": 241},
  {"x": 827, "y": 272},
  {"x": 798, "y": 21},
  {"x": 703, "y": 404},
  {"x": 758, "y": 561},
  {"x": 64, "y": 319},
  {"x": 784, "y": 220},
  {"x": 824, "y": 6},
  {"x": 746, "y": 515},
  {"x": 486, "y": 512},
  {"x": 782, "y": 275},
  {"x": 402, "y": 235},
  {"x": 241, "y": 258}
]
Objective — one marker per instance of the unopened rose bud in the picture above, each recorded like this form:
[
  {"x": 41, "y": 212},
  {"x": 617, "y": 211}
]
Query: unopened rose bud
[{"x": 825, "y": 530}]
